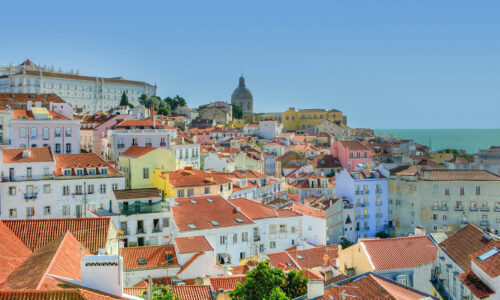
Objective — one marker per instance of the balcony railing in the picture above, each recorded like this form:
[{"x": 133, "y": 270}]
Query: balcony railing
[
  {"x": 30, "y": 196},
  {"x": 357, "y": 192},
  {"x": 485, "y": 209},
  {"x": 26, "y": 178},
  {"x": 149, "y": 144},
  {"x": 497, "y": 208},
  {"x": 143, "y": 208},
  {"x": 256, "y": 238},
  {"x": 366, "y": 192},
  {"x": 485, "y": 223},
  {"x": 379, "y": 215},
  {"x": 473, "y": 208},
  {"x": 157, "y": 229},
  {"x": 120, "y": 146},
  {"x": 126, "y": 232},
  {"x": 459, "y": 208},
  {"x": 163, "y": 144},
  {"x": 379, "y": 191},
  {"x": 436, "y": 208},
  {"x": 140, "y": 230},
  {"x": 445, "y": 207}
]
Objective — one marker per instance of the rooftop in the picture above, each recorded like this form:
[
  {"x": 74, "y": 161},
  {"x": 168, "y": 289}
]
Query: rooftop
[
  {"x": 192, "y": 244},
  {"x": 148, "y": 257}
]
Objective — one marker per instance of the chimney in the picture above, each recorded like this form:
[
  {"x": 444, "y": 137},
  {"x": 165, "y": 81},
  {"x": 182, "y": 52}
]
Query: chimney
[
  {"x": 420, "y": 231},
  {"x": 103, "y": 273},
  {"x": 152, "y": 115}
]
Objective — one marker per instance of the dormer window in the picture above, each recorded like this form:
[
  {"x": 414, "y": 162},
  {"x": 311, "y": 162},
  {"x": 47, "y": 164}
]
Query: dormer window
[
  {"x": 67, "y": 172},
  {"x": 79, "y": 172},
  {"x": 91, "y": 171},
  {"x": 103, "y": 171}
]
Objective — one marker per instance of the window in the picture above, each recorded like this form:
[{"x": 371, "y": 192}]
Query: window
[
  {"x": 272, "y": 229},
  {"x": 79, "y": 172},
  {"x": 190, "y": 192},
  {"x": 46, "y": 188},
  {"x": 244, "y": 236},
  {"x": 68, "y": 131},
  {"x": 79, "y": 189},
  {"x": 58, "y": 148},
  {"x": 207, "y": 190},
  {"x": 12, "y": 190},
  {"x": 180, "y": 193},
  {"x": 478, "y": 190},
  {"x": 242, "y": 255},
  {"x": 103, "y": 189},
  {"x": 261, "y": 248},
  {"x": 30, "y": 212},
  {"x": 57, "y": 132},
  {"x": 435, "y": 188},
  {"x": 282, "y": 228},
  {"x": 90, "y": 189},
  {"x": 12, "y": 213},
  {"x": 447, "y": 191},
  {"x": 272, "y": 244},
  {"x": 145, "y": 173},
  {"x": 462, "y": 191},
  {"x": 66, "y": 210},
  {"x": 47, "y": 210},
  {"x": 235, "y": 238},
  {"x": 222, "y": 239},
  {"x": 45, "y": 133},
  {"x": 22, "y": 132},
  {"x": 166, "y": 222},
  {"x": 34, "y": 133},
  {"x": 68, "y": 148},
  {"x": 435, "y": 216}
]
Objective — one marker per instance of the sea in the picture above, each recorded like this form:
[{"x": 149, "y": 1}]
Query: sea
[{"x": 470, "y": 140}]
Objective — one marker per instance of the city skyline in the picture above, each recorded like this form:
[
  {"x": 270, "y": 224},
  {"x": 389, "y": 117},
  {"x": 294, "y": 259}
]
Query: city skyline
[{"x": 385, "y": 65}]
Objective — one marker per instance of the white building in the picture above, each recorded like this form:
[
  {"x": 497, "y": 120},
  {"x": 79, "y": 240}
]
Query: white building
[
  {"x": 269, "y": 129},
  {"x": 88, "y": 92}
]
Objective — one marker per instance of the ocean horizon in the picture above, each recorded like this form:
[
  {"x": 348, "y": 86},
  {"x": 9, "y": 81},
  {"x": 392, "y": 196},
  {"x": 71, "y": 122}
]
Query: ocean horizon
[{"x": 470, "y": 140}]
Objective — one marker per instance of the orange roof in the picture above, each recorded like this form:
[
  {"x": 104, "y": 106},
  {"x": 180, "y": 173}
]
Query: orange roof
[
  {"x": 192, "y": 244},
  {"x": 255, "y": 210},
  {"x": 194, "y": 177},
  {"x": 91, "y": 232},
  {"x": 315, "y": 257},
  {"x": 190, "y": 261},
  {"x": 400, "y": 253},
  {"x": 142, "y": 123},
  {"x": 192, "y": 292},
  {"x": 354, "y": 146},
  {"x": 187, "y": 217},
  {"x": 25, "y": 97},
  {"x": 73, "y": 294},
  {"x": 28, "y": 115},
  {"x": 282, "y": 260},
  {"x": 12, "y": 252},
  {"x": 61, "y": 257},
  {"x": 81, "y": 160},
  {"x": 491, "y": 265},
  {"x": 137, "y": 151},
  {"x": 475, "y": 284},
  {"x": 225, "y": 283},
  {"x": 15, "y": 156},
  {"x": 154, "y": 257},
  {"x": 306, "y": 210},
  {"x": 249, "y": 174},
  {"x": 237, "y": 270}
]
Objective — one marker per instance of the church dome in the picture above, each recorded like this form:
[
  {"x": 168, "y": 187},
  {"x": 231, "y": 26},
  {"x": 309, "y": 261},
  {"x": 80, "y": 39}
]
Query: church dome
[{"x": 241, "y": 92}]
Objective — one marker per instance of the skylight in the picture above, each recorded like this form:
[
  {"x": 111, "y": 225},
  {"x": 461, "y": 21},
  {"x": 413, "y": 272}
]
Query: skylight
[
  {"x": 215, "y": 223},
  {"x": 142, "y": 261},
  {"x": 488, "y": 254},
  {"x": 238, "y": 220},
  {"x": 192, "y": 226},
  {"x": 210, "y": 200},
  {"x": 300, "y": 256},
  {"x": 193, "y": 201}
]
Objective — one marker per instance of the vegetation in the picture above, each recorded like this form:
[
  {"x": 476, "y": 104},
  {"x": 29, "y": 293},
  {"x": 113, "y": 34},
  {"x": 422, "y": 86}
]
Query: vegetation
[
  {"x": 345, "y": 243},
  {"x": 124, "y": 101},
  {"x": 165, "y": 106},
  {"x": 382, "y": 234},
  {"x": 237, "y": 111},
  {"x": 265, "y": 282},
  {"x": 161, "y": 292},
  {"x": 456, "y": 153}
]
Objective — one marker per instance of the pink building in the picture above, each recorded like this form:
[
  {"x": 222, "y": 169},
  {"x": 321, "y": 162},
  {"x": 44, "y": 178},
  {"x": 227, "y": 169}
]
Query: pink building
[
  {"x": 351, "y": 153},
  {"x": 94, "y": 128}
]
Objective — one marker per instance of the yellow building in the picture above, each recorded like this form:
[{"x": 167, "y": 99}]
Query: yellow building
[
  {"x": 308, "y": 118},
  {"x": 268, "y": 116},
  {"x": 189, "y": 182},
  {"x": 238, "y": 123},
  {"x": 138, "y": 164},
  {"x": 441, "y": 157}
]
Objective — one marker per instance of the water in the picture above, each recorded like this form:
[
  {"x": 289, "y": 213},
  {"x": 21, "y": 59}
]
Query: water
[{"x": 470, "y": 140}]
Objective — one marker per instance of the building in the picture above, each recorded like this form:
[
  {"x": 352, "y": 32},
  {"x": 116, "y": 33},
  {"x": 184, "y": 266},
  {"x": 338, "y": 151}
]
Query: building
[
  {"x": 187, "y": 152},
  {"x": 308, "y": 118},
  {"x": 368, "y": 191},
  {"x": 340, "y": 218},
  {"x": 90, "y": 93},
  {"x": 352, "y": 154},
  {"x": 310, "y": 186},
  {"x": 489, "y": 159},
  {"x": 243, "y": 97},
  {"x": 442, "y": 199},
  {"x": 220, "y": 112},
  {"x": 269, "y": 129},
  {"x": 94, "y": 127},
  {"x": 341, "y": 132}
]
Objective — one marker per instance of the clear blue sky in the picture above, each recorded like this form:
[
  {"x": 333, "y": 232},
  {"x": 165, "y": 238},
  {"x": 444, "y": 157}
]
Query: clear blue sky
[{"x": 386, "y": 64}]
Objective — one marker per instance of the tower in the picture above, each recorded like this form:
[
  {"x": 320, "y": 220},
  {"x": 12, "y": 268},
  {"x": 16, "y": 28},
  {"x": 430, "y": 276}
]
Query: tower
[{"x": 243, "y": 97}]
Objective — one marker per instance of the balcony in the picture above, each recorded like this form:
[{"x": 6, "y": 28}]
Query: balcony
[
  {"x": 256, "y": 238},
  {"x": 360, "y": 204},
  {"x": 436, "y": 208},
  {"x": 367, "y": 228},
  {"x": 485, "y": 223},
  {"x": 120, "y": 146},
  {"x": 378, "y": 191},
  {"x": 149, "y": 144},
  {"x": 143, "y": 208},
  {"x": 440, "y": 289},
  {"x": 366, "y": 192},
  {"x": 163, "y": 144},
  {"x": 357, "y": 192},
  {"x": 379, "y": 215},
  {"x": 473, "y": 208},
  {"x": 30, "y": 196},
  {"x": 459, "y": 208},
  {"x": 26, "y": 178},
  {"x": 140, "y": 230},
  {"x": 497, "y": 208},
  {"x": 125, "y": 232},
  {"x": 445, "y": 208},
  {"x": 157, "y": 229},
  {"x": 485, "y": 209},
  {"x": 378, "y": 204}
]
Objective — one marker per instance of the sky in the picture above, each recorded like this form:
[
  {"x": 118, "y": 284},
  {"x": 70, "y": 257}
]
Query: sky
[{"x": 385, "y": 64}]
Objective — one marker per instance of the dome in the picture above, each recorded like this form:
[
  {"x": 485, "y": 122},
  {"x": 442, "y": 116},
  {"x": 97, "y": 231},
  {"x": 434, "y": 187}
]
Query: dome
[{"x": 241, "y": 92}]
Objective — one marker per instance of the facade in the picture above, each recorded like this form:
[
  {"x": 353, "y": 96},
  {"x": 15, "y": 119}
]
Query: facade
[
  {"x": 308, "y": 118},
  {"x": 243, "y": 97},
  {"x": 94, "y": 127},
  {"x": 351, "y": 154},
  {"x": 489, "y": 159},
  {"x": 187, "y": 153},
  {"x": 220, "y": 112},
  {"x": 310, "y": 187},
  {"x": 269, "y": 129},
  {"x": 443, "y": 200},
  {"x": 90, "y": 93},
  {"x": 340, "y": 219},
  {"x": 340, "y": 131},
  {"x": 368, "y": 192}
]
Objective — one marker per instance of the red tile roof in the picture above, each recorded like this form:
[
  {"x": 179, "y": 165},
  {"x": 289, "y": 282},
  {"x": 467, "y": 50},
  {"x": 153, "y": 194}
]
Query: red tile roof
[
  {"x": 354, "y": 146},
  {"x": 458, "y": 175},
  {"x": 255, "y": 210},
  {"x": 25, "y": 97},
  {"x": 91, "y": 232},
  {"x": 306, "y": 210},
  {"x": 193, "y": 177},
  {"x": 282, "y": 260},
  {"x": 61, "y": 257},
  {"x": 192, "y": 244},
  {"x": 70, "y": 294},
  {"x": 475, "y": 284},
  {"x": 142, "y": 123},
  {"x": 12, "y": 252},
  {"x": 192, "y": 292},
  {"x": 81, "y": 160},
  {"x": 155, "y": 257},
  {"x": 28, "y": 115},
  {"x": 137, "y": 151},
  {"x": 491, "y": 265},
  {"x": 225, "y": 283},
  {"x": 43, "y": 154},
  {"x": 463, "y": 243},
  {"x": 240, "y": 270},
  {"x": 320, "y": 256},
  {"x": 399, "y": 253},
  {"x": 217, "y": 209}
]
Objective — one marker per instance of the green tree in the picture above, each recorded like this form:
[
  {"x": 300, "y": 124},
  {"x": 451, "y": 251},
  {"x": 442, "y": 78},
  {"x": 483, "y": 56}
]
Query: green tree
[
  {"x": 179, "y": 101},
  {"x": 382, "y": 234},
  {"x": 163, "y": 111},
  {"x": 345, "y": 243},
  {"x": 237, "y": 112},
  {"x": 161, "y": 292},
  {"x": 142, "y": 99},
  {"x": 278, "y": 294},
  {"x": 263, "y": 280},
  {"x": 124, "y": 101}
]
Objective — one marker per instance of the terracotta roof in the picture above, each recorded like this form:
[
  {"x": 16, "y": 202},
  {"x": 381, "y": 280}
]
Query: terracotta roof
[
  {"x": 475, "y": 285},
  {"x": 217, "y": 209},
  {"x": 399, "y": 253},
  {"x": 192, "y": 244},
  {"x": 192, "y": 292},
  {"x": 306, "y": 210},
  {"x": 225, "y": 283},
  {"x": 142, "y": 123},
  {"x": 194, "y": 177},
  {"x": 491, "y": 265},
  {"x": 248, "y": 174},
  {"x": 255, "y": 210},
  {"x": 69, "y": 294},
  {"x": 240, "y": 270},
  {"x": 372, "y": 286},
  {"x": 137, "y": 194},
  {"x": 60, "y": 257},
  {"x": 314, "y": 275},
  {"x": 15, "y": 156},
  {"x": 25, "y": 97},
  {"x": 12, "y": 252},
  {"x": 22, "y": 114},
  {"x": 137, "y": 151},
  {"x": 354, "y": 145},
  {"x": 81, "y": 160},
  {"x": 282, "y": 260},
  {"x": 458, "y": 175},
  {"x": 315, "y": 257},
  {"x": 460, "y": 160},
  {"x": 148, "y": 257},
  {"x": 465, "y": 242},
  {"x": 91, "y": 232}
]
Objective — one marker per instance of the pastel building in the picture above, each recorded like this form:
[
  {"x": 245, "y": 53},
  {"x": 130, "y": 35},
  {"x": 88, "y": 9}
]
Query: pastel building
[
  {"x": 368, "y": 192},
  {"x": 308, "y": 118},
  {"x": 351, "y": 154},
  {"x": 94, "y": 128}
]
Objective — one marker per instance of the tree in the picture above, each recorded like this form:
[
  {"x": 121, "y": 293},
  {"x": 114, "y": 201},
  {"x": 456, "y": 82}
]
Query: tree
[
  {"x": 278, "y": 294},
  {"x": 163, "y": 111},
  {"x": 262, "y": 281},
  {"x": 237, "y": 112},
  {"x": 142, "y": 99},
  {"x": 124, "y": 101},
  {"x": 382, "y": 234},
  {"x": 161, "y": 292},
  {"x": 345, "y": 243}
]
